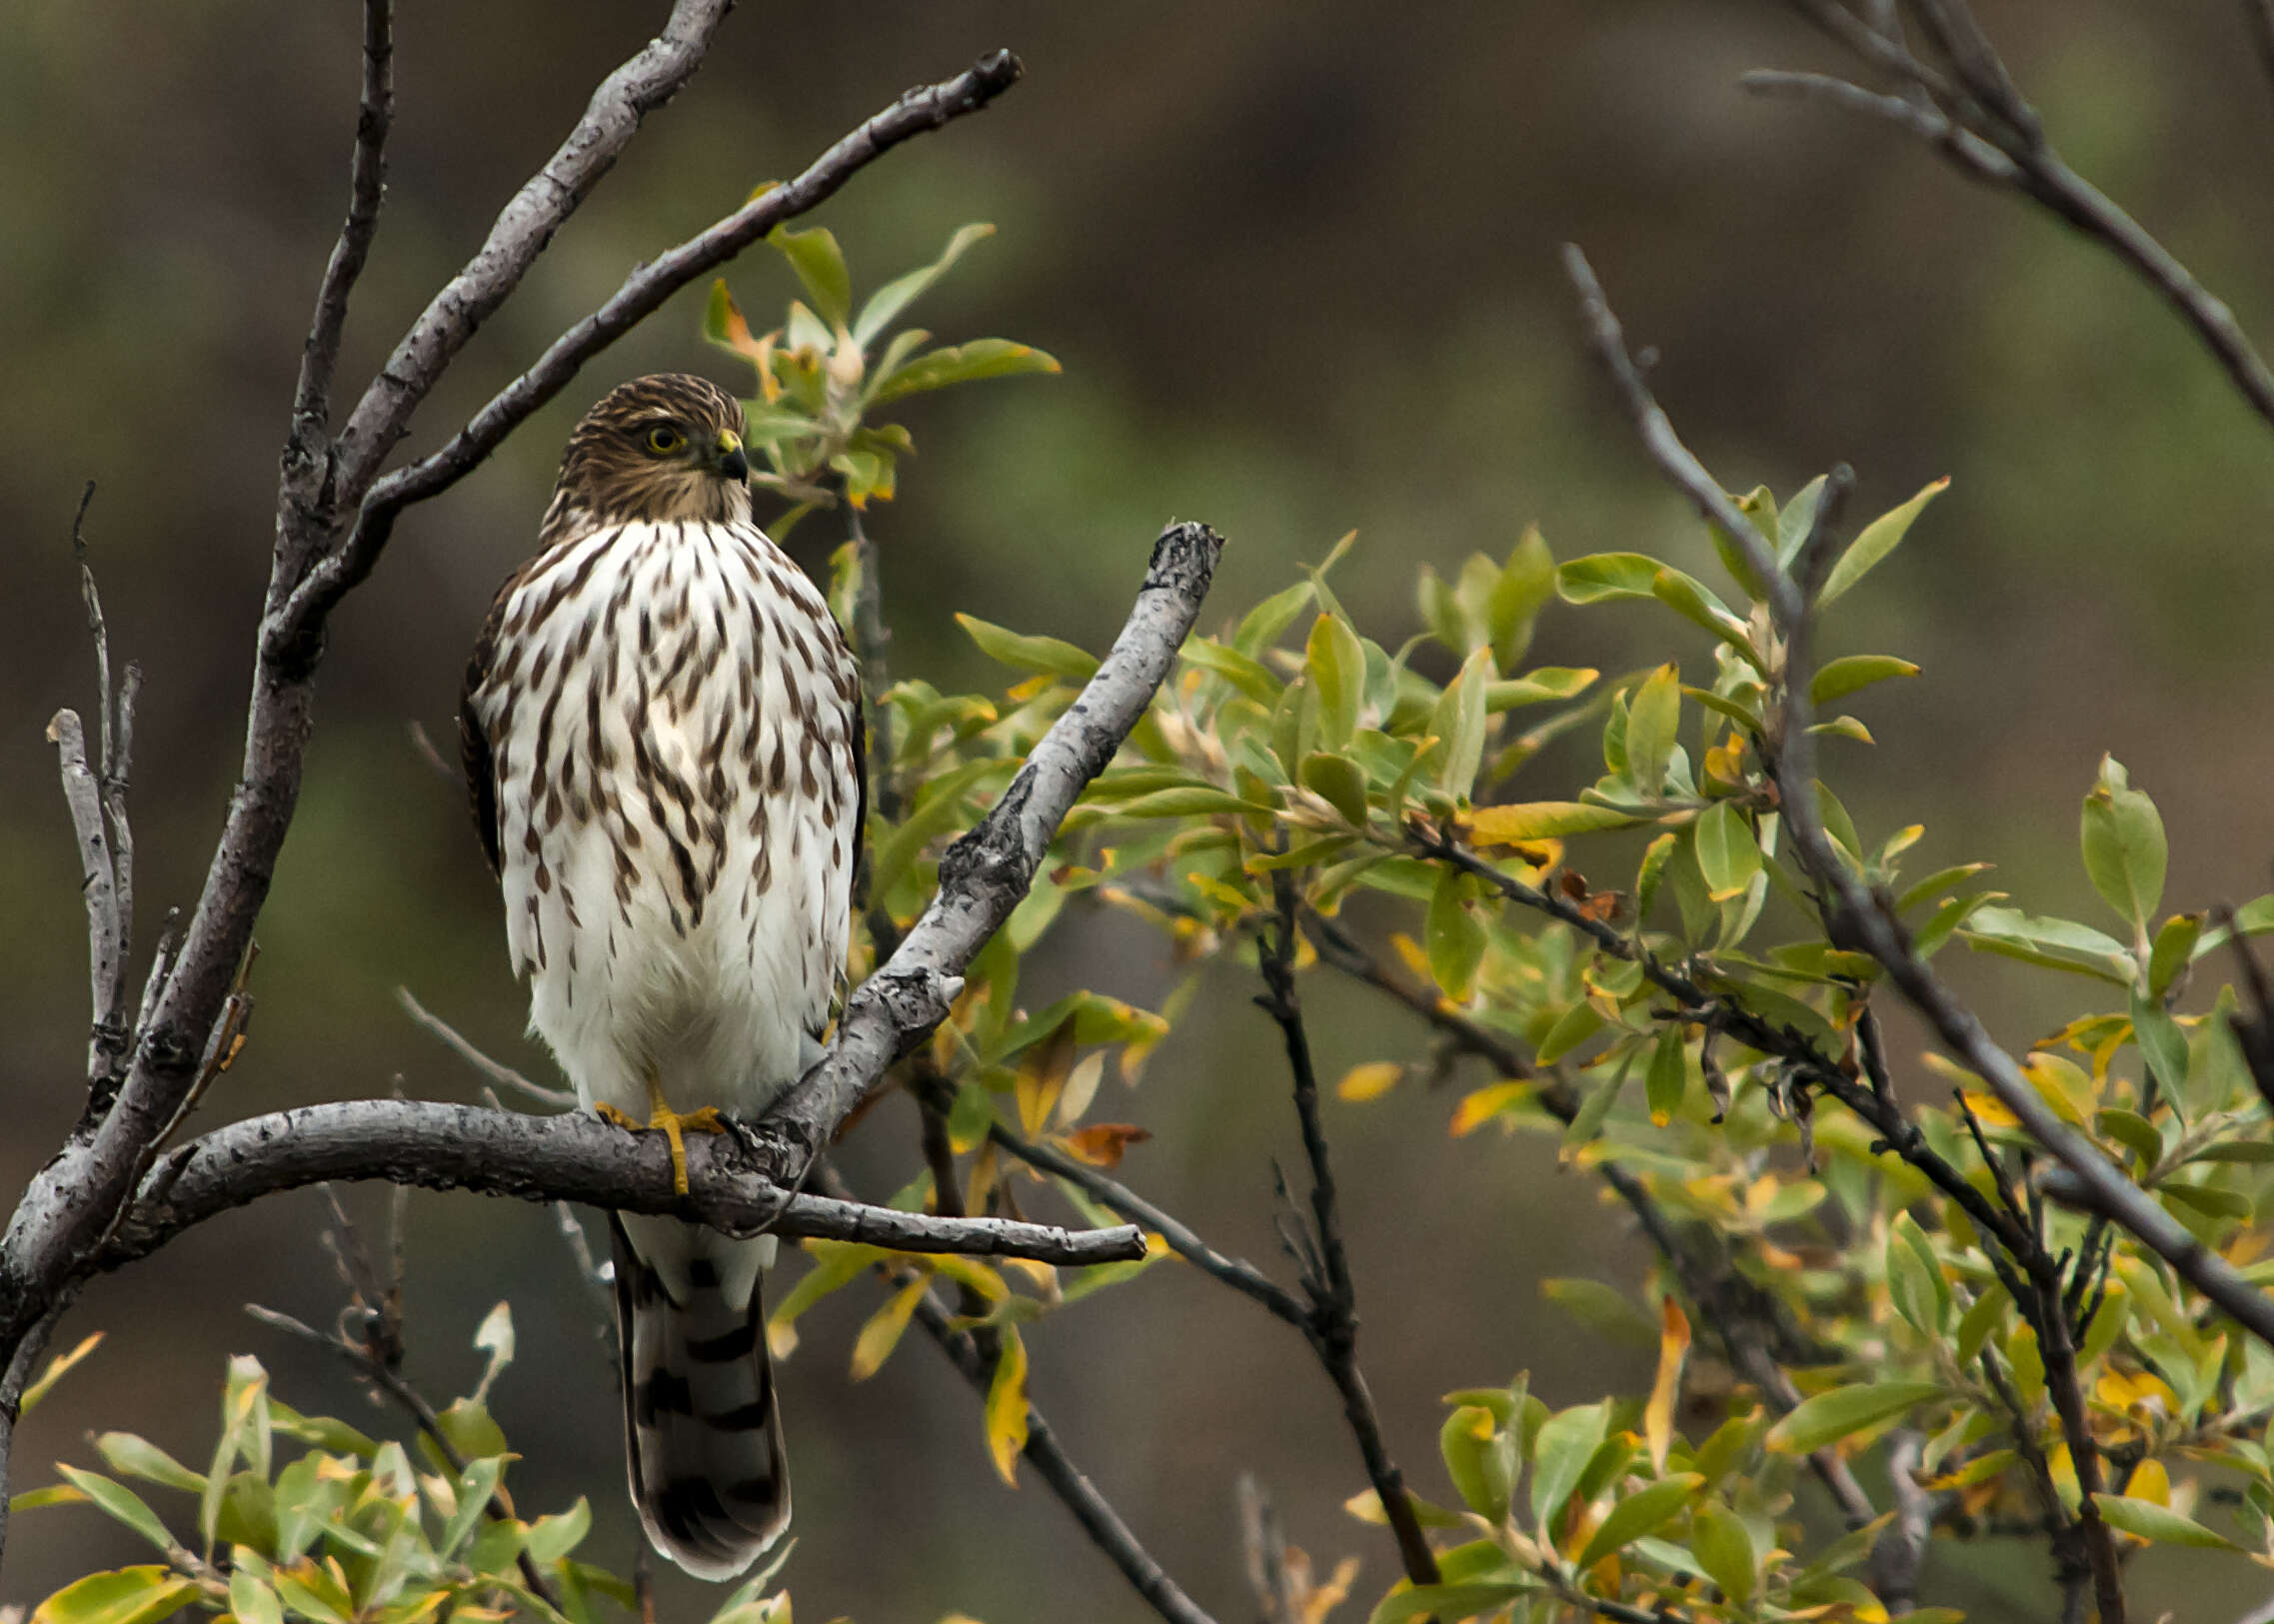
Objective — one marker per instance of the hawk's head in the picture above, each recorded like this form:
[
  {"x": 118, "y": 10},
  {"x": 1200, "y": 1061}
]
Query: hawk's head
[{"x": 669, "y": 446}]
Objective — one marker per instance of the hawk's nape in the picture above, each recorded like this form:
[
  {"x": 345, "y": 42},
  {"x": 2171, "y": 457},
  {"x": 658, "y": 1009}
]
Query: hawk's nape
[{"x": 662, "y": 733}]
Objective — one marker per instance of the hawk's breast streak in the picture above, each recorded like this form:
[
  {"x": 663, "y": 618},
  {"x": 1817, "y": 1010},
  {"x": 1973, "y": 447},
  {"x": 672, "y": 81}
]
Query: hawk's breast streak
[{"x": 675, "y": 829}]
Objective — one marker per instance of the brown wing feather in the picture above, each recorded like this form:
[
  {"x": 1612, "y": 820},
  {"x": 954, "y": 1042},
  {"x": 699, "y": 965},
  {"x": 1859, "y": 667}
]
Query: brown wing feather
[{"x": 473, "y": 739}]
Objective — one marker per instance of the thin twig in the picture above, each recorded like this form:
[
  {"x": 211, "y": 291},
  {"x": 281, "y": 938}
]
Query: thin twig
[
  {"x": 504, "y": 1076},
  {"x": 1334, "y": 1327},
  {"x": 83, "y": 793},
  {"x": 1988, "y": 131},
  {"x": 367, "y": 184}
]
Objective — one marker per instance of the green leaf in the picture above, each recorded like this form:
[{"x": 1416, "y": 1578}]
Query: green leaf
[
  {"x": 552, "y": 1537},
  {"x": 1049, "y": 656},
  {"x": 1602, "y": 577},
  {"x": 1525, "y": 586},
  {"x": 1668, "y": 1076},
  {"x": 1878, "y": 538},
  {"x": 1839, "y": 677},
  {"x": 1603, "y": 1309},
  {"x": 1455, "y": 938},
  {"x": 1474, "y": 1599},
  {"x": 2134, "y": 1131},
  {"x": 131, "y": 1456},
  {"x": 1728, "y": 855},
  {"x": 1341, "y": 781},
  {"x": 897, "y": 295},
  {"x": 2161, "y": 1041},
  {"x": 137, "y": 1595},
  {"x": 1725, "y": 1550},
  {"x": 1653, "y": 720},
  {"x": 1261, "y": 625},
  {"x": 1479, "y": 1459},
  {"x": 1645, "y": 1511},
  {"x": 1686, "y": 596},
  {"x": 961, "y": 364},
  {"x": 2123, "y": 841},
  {"x": 1559, "y": 1455},
  {"x": 1915, "y": 1278},
  {"x": 117, "y": 1500},
  {"x": 252, "y": 1600},
  {"x": 1458, "y": 723},
  {"x": 470, "y": 1431},
  {"x": 2174, "y": 950},
  {"x": 1829, "y": 1417},
  {"x": 820, "y": 265},
  {"x": 1796, "y": 520},
  {"x": 1252, "y": 677},
  {"x": 2160, "y": 1524},
  {"x": 1336, "y": 664}
]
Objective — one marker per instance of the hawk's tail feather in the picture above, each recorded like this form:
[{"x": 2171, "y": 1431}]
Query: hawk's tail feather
[{"x": 703, "y": 1432}]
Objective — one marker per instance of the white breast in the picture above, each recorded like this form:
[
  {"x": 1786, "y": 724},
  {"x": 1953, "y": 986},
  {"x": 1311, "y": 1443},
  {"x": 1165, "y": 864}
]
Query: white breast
[{"x": 672, "y": 715}]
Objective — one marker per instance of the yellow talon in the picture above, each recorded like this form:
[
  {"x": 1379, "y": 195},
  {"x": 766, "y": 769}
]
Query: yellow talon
[{"x": 671, "y": 1125}]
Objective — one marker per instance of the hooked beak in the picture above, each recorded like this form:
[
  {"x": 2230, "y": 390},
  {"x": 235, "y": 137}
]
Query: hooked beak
[{"x": 729, "y": 459}]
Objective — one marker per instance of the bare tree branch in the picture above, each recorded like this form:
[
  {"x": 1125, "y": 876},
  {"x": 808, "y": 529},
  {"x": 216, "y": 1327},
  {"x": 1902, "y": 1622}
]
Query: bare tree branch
[
  {"x": 367, "y": 184},
  {"x": 920, "y": 110},
  {"x": 105, "y": 950},
  {"x": 505, "y": 1077},
  {"x": 1987, "y": 129},
  {"x": 522, "y": 230},
  {"x": 1333, "y": 1325},
  {"x": 570, "y": 1157}
]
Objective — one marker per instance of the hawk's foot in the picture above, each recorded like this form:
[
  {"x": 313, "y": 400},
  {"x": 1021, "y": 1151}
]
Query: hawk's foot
[{"x": 671, "y": 1125}]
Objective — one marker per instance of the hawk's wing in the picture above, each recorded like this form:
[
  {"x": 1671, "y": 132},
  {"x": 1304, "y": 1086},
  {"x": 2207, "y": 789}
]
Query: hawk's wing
[{"x": 473, "y": 737}]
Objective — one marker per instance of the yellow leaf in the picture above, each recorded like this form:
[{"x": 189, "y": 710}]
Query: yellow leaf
[
  {"x": 2063, "y": 1085},
  {"x": 57, "y": 1368},
  {"x": 1006, "y": 1407},
  {"x": 1101, "y": 1144},
  {"x": 1540, "y": 820},
  {"x": 2150, "y": 1482},
  {"x": 1990, "y": 1111},
  {"x": 1951, "y": 1072},
  {"x": 1673, "y": 1348},
  {"x": 1480, "y": 1108},
  {"x": 881, "y": 1334},
  {"x": 1042, "y": 1076},
  {"x": 1411, "y": 955},
  {"x": 2122, "y": 1390},
  {"x": 1369, "y": 1081}
]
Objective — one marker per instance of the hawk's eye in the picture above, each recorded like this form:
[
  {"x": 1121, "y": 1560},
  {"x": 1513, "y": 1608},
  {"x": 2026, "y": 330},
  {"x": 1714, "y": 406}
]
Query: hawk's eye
[{"x": 664, "y": 439}]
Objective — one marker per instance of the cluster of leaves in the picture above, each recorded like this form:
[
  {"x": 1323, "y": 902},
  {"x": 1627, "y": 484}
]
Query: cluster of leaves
[
  {"x": 822, "y": 379},
  {"x": 309, "y": 1518}
]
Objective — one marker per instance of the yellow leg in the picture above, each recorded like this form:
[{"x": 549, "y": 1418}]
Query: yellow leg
[{"x": 671, "y": 1125}]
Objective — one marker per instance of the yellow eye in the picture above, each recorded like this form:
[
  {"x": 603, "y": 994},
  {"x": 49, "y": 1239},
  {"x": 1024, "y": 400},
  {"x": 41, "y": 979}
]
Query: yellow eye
[{"x": 663, "y": 440}]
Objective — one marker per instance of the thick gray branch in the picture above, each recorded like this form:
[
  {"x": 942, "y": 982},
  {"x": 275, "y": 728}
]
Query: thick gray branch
[
  {"x": 571, "y": 1157},
  {"x": 985, "y": 873},
  {"x": 924, "y": 108}
]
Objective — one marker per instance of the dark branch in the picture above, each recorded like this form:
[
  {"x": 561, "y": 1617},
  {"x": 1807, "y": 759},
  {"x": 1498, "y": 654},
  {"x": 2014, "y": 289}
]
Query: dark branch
[
  {"x": 367, "y": 184},
  {"x": 570, "y": 1157},
  {"x": 1333, "y": 1325},
  {"x": 1986, "y": 128}
]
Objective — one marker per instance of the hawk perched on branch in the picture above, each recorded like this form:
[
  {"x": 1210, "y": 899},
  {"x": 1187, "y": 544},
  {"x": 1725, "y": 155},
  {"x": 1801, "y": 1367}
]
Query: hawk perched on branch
[{"x": 661, "y": 734}]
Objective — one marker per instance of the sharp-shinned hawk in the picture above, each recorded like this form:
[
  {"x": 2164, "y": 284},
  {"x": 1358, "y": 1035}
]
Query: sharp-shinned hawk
[{"x": 663, "y": 736}]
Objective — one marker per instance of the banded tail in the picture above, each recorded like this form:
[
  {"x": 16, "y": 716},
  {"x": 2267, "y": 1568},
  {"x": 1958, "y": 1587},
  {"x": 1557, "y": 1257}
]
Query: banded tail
[{"x": 701, "y": 1432}]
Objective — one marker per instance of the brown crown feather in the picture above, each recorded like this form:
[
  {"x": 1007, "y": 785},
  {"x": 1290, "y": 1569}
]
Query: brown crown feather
[{"x": 610, "y": 476}]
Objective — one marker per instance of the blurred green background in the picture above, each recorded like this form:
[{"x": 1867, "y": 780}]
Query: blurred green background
[{"x": 1298, "y": 263}]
